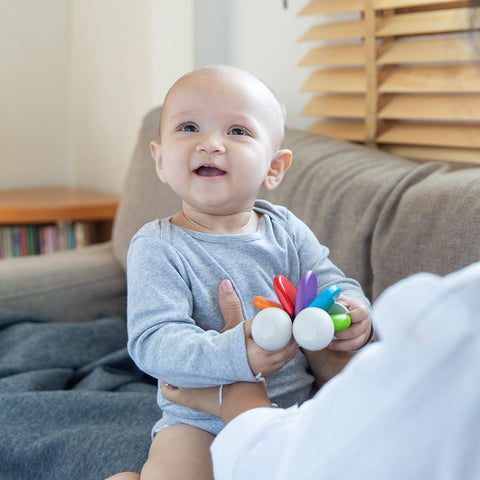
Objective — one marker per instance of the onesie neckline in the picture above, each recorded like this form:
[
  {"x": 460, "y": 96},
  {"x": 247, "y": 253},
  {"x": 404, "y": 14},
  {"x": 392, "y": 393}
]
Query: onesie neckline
[{"x": 221, "y": 237}]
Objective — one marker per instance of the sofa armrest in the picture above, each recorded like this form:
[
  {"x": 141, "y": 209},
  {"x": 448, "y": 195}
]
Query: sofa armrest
[{"x": 76, "y": 285}]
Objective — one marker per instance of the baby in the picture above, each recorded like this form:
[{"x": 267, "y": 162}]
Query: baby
[{"x": 221, "y": 133}]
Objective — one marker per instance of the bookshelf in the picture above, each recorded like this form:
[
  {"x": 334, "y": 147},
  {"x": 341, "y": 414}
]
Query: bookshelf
[{"x": 48, "y": 219}]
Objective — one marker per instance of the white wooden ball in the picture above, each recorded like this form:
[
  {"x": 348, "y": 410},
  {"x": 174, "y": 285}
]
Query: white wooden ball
[
  {"x": 313, "y": 328},
  {"x": 272, "y": 328}
]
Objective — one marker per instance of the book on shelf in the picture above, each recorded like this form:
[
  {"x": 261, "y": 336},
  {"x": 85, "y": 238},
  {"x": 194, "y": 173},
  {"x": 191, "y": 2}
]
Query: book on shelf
[{"x": 23, "y": 240}]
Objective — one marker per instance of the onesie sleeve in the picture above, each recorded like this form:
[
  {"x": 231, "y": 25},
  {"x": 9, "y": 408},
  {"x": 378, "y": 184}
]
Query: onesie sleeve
[
  {"x": 315, "y": 256},
  {"x": 163, "y": 338}
]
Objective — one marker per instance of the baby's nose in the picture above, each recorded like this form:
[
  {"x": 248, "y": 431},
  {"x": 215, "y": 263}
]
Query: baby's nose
[{"x": 210, "y": 143}]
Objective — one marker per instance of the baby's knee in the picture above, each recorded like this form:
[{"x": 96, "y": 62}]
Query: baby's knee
[{"x": 179, "y": 452}]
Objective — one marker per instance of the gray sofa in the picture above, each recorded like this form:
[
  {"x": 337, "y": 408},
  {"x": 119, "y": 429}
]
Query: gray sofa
[
  {"x": 72, "y": 404},
  {"x": 382, "y": 217}
]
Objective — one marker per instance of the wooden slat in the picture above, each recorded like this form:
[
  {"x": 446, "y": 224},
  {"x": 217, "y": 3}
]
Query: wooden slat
[
  {"x": 444, "y": 154},
  {"x": 387, "y": 4},
  {"x": 344, "y": 106},
  {"x": 431, "y": 79},
  {"x": 335, "y": 55},
  {"x": 429, "y": 104},
  {"x": 353, "y": 131},
  {"x": 329, "y": 7},
  {"x": 447, "y": 49},
  {"x": 440, "y": 135},
  {"x": 335, "y": 31},
  {"x": 370, "y": 74},
  {"x": 450, "y": 107},
  {"x": 441, "y": 21},
  {"x": 348, "y": 80}
]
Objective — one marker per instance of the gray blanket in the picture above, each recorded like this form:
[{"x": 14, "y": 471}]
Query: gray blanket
[{"x": 72, "y": 403}]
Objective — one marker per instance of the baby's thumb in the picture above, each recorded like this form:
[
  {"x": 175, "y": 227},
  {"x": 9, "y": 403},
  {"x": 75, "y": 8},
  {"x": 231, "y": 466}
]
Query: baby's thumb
[{"x": 230, "y": 305}]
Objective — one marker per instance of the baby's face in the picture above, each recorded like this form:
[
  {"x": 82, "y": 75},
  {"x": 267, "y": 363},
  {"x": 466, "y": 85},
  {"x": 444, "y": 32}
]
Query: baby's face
[{"x": 219, "y": 133}]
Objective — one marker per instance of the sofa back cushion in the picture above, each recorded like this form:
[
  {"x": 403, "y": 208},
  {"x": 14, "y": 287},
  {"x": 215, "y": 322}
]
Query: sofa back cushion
[
  {"x": 430, "y": 222},
  {"x": 144, "y": 197}
]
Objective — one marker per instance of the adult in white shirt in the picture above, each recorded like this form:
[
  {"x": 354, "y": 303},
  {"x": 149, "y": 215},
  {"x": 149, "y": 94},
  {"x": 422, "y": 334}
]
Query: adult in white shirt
[{"x": 405, "y": 407}]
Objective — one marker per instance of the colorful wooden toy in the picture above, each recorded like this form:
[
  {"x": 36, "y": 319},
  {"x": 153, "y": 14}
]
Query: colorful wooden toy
[
  {"x": 306, "y": 291},
  {"x": 315, "y": 318},
  {"x": 326, "y": 298},
  {"x": 272, "y": 328},
  {"x": 313, "y": 328},
  {"x": 262, "y": 303},
  {"x": 286, "y": 293}
]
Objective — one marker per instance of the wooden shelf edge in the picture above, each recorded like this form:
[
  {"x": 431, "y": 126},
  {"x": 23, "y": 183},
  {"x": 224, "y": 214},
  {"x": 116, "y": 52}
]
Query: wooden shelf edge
[{"x": 49, "y": 204}]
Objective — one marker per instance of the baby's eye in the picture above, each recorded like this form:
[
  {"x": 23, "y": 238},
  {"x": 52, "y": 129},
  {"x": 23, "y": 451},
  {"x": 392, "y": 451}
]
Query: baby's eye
[
  {"x": 238, "y": 131},
  {"x": 188, "y": 127}
]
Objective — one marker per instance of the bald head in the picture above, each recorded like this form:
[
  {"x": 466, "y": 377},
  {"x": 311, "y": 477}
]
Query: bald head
[{"x": 232, "y": 81}]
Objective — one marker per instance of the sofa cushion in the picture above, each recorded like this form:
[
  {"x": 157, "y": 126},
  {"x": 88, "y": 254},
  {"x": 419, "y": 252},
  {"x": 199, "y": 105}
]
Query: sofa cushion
[
  {"x": 430, "y": 222},
  {"x": 144, "y": 197},
  {"x": 73, "y": 285}
]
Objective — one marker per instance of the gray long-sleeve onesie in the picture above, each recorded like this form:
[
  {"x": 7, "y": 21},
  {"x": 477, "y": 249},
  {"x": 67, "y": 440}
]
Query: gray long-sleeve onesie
[{"x": 173, "y": 314}]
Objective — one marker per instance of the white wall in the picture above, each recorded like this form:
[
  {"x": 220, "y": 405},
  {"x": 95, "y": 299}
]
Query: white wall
[
  {"x": 123, "y": 65},
  {"x": 263, "y": 39},
  {"x": 266, "y": 43},
  {"x": 213, "y": 41},
  {"x": 77, "y": 76},
  {"x": 34, "y": 92}
]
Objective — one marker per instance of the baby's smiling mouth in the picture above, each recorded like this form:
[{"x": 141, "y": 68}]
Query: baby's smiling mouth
[{"x": 209, "y": 171}]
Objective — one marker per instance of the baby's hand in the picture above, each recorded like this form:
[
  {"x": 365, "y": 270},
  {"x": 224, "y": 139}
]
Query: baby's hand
[
  {"x": 261, "y": 361},
  {"x": 267, "y": 362},
  {"x": 358, "y": 332}
]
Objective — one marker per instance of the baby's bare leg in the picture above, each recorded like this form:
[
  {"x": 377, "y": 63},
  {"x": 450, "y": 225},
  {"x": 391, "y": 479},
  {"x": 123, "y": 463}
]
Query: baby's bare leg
[
  {"x": 179, "y": 452},
  {"x": 125, "y": 476}
]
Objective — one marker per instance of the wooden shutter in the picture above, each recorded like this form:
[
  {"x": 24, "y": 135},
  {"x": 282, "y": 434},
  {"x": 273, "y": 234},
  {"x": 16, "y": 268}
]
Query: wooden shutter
[{"x": 400, "y": 75}]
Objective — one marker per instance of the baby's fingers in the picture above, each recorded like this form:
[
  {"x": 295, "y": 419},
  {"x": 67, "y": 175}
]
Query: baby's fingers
[
  {"x": 280, "y": 358},
  {"x": 268, "y": 362},
  {"x": 353, "y": 338}
]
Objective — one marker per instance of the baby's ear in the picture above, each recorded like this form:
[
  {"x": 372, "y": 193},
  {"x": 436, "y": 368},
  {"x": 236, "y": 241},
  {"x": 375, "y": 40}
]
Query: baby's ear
[
  {"x": 156, "y": 151},
  {"x": 279, "y": 165}
]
